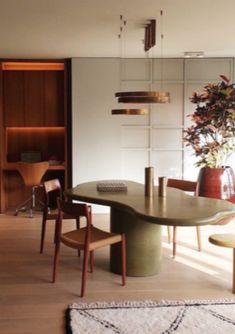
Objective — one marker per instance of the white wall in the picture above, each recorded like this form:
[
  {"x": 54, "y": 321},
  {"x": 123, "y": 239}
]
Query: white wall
[
  {"x": 153, "y": 140},
  {"x": 96, "y": 146},
  {"x": 120, "y": 147},
  {"x": 96, "y": 134}
]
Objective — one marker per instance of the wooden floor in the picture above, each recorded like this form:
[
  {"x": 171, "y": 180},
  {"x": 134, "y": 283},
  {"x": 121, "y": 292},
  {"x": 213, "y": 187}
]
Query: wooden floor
[{"x": 30, "y": 303}]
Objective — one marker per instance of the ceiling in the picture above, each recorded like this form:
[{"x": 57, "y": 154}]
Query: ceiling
[{"x": 90, "y": 28}]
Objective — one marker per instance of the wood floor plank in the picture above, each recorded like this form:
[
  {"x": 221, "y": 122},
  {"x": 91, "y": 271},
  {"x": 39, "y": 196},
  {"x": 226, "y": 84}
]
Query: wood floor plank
[{"x": 30, "y": 303}]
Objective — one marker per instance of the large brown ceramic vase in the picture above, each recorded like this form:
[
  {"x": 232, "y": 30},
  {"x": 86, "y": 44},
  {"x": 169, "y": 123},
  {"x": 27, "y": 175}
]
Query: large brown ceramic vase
[{"x": 217, "y": 183}]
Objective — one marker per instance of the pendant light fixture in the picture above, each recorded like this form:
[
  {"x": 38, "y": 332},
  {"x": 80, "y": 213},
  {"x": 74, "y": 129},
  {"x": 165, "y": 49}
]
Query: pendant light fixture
[
  {"x": 143, "y": 96},
  {"x": 126, "y": 111},
  {"x": 164, "y": 97},
  {"x": 129, "y": 111}
]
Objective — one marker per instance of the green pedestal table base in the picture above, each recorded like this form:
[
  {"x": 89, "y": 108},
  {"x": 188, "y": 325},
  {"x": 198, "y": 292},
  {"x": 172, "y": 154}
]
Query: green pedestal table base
[{"x": 143, "y": 244}]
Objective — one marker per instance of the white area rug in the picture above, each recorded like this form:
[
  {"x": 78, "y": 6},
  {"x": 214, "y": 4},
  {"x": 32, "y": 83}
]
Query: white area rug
[{"x": 165, "y": 317}]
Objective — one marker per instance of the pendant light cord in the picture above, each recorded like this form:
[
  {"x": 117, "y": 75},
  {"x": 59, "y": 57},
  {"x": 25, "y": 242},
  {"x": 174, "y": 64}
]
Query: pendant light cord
[{"x": 161, "y": 50}]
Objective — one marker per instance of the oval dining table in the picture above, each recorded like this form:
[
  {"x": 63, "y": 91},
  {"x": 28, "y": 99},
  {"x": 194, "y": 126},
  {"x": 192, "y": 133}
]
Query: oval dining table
[{"x": 141, "y": 217}]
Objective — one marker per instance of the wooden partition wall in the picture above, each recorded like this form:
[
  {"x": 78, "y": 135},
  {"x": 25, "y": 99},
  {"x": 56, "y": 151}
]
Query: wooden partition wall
[{"x": 35, "y": 122}]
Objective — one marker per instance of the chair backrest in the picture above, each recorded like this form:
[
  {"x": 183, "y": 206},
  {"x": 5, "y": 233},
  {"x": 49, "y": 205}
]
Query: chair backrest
[
  {"x": 52, "y": 185},
  {"x": 184, "y": 185},
  {"x": 75, "y": 211},
  {"x": 32, "y": 173},
  {"x": 52, "y": 190}
]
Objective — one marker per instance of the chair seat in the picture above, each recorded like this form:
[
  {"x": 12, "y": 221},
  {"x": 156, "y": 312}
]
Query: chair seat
[
  {"x": 223, "y": 240},
  {"x": 76, "y": 238}
]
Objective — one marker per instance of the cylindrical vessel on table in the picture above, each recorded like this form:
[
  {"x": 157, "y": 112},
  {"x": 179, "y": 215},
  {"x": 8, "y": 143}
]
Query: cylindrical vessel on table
[
  {"x": 162, "y": 184},
  {"x": 149, "y": 181}
]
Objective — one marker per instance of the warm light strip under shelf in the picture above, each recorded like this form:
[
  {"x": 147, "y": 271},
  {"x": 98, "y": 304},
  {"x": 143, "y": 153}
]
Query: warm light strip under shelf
[
  {"x": 42, "y": 129},
  {"x": 31, "y": 66}
]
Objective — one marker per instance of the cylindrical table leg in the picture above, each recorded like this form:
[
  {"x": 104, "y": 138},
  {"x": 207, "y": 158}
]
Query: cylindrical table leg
[{"x": 143, "y": 244}]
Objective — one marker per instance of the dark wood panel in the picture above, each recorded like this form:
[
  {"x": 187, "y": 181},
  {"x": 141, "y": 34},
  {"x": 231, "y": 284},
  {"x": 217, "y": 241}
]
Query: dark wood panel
[
  {"x": 48, "y": 141},
  {"x": 15, "y": 190},
  {"x": 34, "y": 98},
  {"x": 2, "y": 142},
  {"x": 54, "y": 98},
  {"x": 13, "y": 98},
  {"x": 68, "y": 122}
]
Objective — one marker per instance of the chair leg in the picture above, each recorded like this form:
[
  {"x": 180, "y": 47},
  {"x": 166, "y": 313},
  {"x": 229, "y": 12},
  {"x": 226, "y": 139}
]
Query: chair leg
[
  {"x": 91, "y": 261},
  {"x": 78, "y": 227},
  {"x": 33, "y": 202},
  {"x": 40, "y": 202},
  {"x": 43, "y": 232},
  {"x": 84, "y": 271},
  {"x": 19, "y": 207},
  {"x": 78, "y": 223},
  {"x": 123, "y": 245},
  {"x": 199, "y": 238},
  {"x": 56, "y": 261},
  {"x": 57, "y": 230},
  {"x": 169, "y": 234},
  {"x": 174, "y": 240}
]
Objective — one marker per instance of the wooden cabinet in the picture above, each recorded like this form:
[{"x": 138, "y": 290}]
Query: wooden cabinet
[
  {"x": 54, "y": 98},
  {"x": 13, "y": 98},
  {"x": 33, "y": 98},
  {"x": 34, "y": 117}
]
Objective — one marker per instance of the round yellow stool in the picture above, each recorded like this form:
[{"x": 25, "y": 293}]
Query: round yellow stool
[{"x": 225, "y": 240}]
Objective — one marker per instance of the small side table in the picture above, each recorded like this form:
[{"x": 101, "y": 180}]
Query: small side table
[{"x": 225, "y": 240}]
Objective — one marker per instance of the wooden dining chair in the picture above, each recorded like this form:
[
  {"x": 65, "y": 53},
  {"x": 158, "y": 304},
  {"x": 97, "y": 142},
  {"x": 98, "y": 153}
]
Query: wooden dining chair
[
  {"x": 52, "y": 191},
  {"x": 188, "y": 186},
  {"x": 86, "y": 239},
  {"x": 31, "y": 174}
]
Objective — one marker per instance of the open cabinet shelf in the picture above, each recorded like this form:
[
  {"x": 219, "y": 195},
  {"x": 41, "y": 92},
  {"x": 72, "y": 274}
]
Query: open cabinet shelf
[{"x": 35, "y": 119}]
